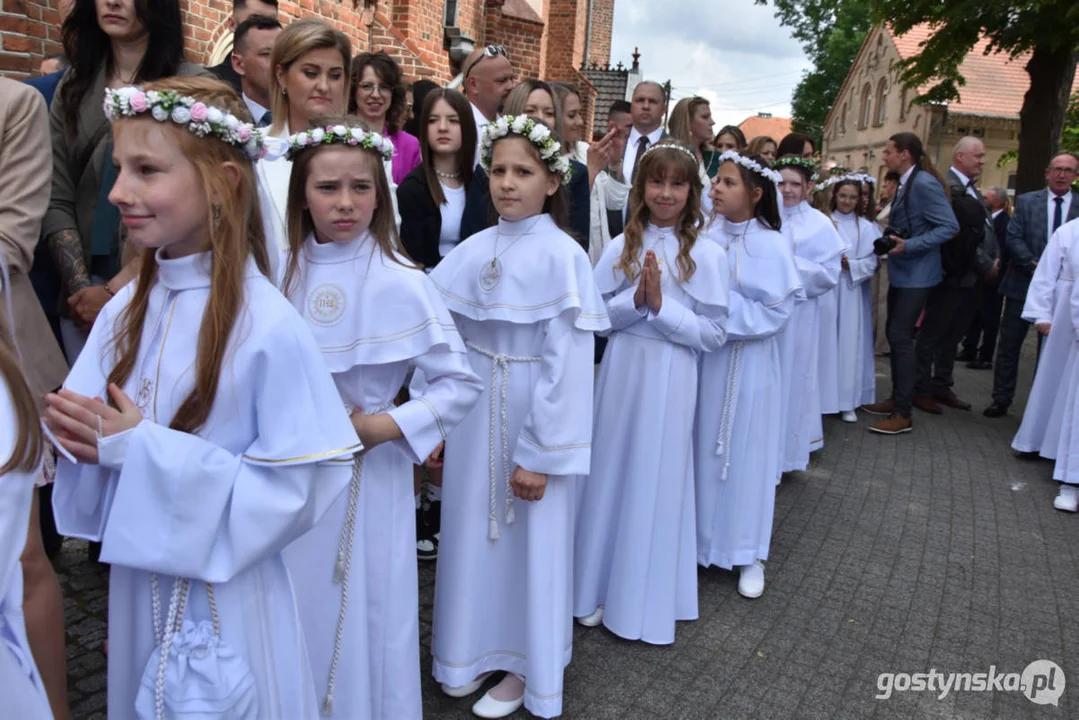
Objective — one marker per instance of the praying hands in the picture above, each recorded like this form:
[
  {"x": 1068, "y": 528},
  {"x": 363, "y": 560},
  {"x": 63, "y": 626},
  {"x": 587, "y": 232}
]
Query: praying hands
[{"x": 78, "y": 422}]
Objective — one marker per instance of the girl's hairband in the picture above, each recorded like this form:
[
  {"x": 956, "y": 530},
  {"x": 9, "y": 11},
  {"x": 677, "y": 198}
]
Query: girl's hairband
[
  {"x": 198, "y": 117},
  {"x": 852, "y": 177},
  {"x": 537, "y": 133},
  {"x": 795, "y": 161},
  {"x": 749, "y": 164},
  {"x": 671, "y": 146},
  {"x": 354, "y": 136}
]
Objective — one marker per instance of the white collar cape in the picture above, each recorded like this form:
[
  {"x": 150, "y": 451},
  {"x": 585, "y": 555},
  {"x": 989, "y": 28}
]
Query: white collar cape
[
  {"x": 812, "y": 233},
  {"x": 760, "y": 260},
  {"x": 368, "y": 309},
  {"x": 707, "y": 286},
  {"x": 545, "y": 273}
]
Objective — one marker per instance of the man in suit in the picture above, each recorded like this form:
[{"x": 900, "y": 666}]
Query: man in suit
[
  {"x": 981, "y": 341},
  {"x": 241, "y": 10},
  {"x": 252, "y": 45},
  {"x": 968, "y": 259},
  {"x": 1037, "y": 215},
  {"x": 486, "y": 80},
  {"x": 925, "y": 221}
]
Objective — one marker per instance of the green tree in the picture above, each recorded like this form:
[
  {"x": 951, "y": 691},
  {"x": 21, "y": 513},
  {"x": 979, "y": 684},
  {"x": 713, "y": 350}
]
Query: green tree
[
  {"x": 830, "y": 32},
  {"x": 1047, "y": 29},
  {"x": 1069, "y": 139}
]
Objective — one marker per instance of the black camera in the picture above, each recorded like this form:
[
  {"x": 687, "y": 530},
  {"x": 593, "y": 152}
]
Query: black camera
[{"x": 886, "y": 242}]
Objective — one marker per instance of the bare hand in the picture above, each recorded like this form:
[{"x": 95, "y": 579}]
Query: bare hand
[
  {"x": 78, "y": 421},
  {"x": 435, "y": 460},
  {"x": 900, "y": 246},
  {"x": 528, "y": 485},
  {"x": 1043, "y": 328},
  {"x": 652, "y": 274},
  {"x": 87, "y": 303},
  {"x": 993, "y": 271},
  {"x": 845, "y": 263},
  {"x": 639, "y": 297},
  {"x": 599, "y": 153}
]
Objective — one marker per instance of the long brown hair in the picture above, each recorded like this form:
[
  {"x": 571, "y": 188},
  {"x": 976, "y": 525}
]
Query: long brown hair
[
  {"x": 669, "y": 158},
  {"x": 389, "y": 72},
  {"x": 235, "y": 231},
  {"x": 29, "y": 444},
  {"x": 299, "y": 222},
  {"x": 680, "y": 126},
  {"x": 466, "y": 155}
]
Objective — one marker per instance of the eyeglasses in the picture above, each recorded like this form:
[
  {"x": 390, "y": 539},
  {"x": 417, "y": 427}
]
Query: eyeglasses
[
  {"x": 370, "y": 88},
  {"x": 488, "y": 52},
  {"x": 1063, "y": 171}
]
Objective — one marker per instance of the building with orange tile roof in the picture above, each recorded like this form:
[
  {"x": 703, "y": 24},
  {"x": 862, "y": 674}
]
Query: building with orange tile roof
[
  {"x": 872, "y": 105},
  {"x": 764, "y": 124}
]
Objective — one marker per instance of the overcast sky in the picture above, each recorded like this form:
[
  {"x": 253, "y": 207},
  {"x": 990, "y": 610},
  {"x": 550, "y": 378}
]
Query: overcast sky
[{"x": 732, "y": 52}]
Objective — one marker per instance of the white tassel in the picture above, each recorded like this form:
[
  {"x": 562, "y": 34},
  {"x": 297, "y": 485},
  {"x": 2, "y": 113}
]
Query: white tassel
[
  {"x": 510, "y": 515},
  {"x": 339, "y": 568},
  {"x": 492, "y": 529},
  {"x": 327, "y": 705}
]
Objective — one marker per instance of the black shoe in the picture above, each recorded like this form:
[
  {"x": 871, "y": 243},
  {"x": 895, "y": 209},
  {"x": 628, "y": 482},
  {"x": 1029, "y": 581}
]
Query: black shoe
[
  {"x": 1028, "y": 455},
  {"x": 966, "y": 356},
  {"x": 995, "y": 410},
  {"x": 433, "y": 514},
  {"x": 980, "y": 365},
  {"x": 426, "y": 544}
]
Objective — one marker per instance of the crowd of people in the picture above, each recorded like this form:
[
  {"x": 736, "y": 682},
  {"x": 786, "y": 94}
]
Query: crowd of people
[{"x": 306, "y": 317}]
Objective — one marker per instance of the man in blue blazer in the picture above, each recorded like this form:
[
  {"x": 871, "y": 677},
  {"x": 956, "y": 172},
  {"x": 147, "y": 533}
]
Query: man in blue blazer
[
  {"x": 1037, "y": 215},
  {"x": 923, "y": 218}
]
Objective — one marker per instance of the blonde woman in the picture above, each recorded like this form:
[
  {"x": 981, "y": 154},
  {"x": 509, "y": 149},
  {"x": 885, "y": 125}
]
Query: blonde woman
[
  {"x": 764, "y": 146},
  {"x": 691, "y": 124}
]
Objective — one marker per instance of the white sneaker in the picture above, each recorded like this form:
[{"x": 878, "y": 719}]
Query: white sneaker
[
  {"x": 850, "y": 416},
  {"x": 751, "y": 580},
  {"x": 592, "y": 620},
  {"x": 1067, "y": 499}
]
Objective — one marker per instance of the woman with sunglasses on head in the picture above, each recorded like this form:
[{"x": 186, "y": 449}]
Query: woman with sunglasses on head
[{"x": 377, "y": 97}]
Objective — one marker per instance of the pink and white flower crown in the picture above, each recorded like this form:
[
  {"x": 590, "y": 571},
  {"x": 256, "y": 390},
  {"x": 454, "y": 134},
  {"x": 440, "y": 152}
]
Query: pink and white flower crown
[{"x": 198, "y": 117}]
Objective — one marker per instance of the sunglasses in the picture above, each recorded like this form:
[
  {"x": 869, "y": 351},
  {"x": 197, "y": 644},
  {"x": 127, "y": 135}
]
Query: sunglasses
[{"x": 488, "y": 52}]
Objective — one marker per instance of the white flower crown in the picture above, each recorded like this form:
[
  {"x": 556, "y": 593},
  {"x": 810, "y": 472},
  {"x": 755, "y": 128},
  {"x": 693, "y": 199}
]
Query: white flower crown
[
  {"x": 836, "y": 179},
  {"x": 671, "y": 146},
  {"x": 198, "y": 117},
  {"x": 535, "y": 132},
  {"x": 355, "y": 136},
  {"x": 753, "y": 165}
]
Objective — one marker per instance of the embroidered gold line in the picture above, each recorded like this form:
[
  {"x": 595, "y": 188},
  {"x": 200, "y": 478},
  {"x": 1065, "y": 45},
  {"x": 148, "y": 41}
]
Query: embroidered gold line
[
  {"x": 438, "y": 418},
  {"x": 400, "y": 335},
  {"x": 551, "y": 448},
  {"x": 161, "y": 354},
  {"x": 314, "y": 456}
]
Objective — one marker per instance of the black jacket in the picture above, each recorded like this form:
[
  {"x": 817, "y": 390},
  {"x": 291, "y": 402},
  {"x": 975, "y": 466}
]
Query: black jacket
[
  {"x": 421, "y": 219},
  {"x": 480, "y": 214},
  {"x": 225, "y": 72}
]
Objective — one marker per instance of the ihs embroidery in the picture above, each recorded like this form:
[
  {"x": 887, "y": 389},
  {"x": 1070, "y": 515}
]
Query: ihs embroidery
[{"x": 144, "y": 395}]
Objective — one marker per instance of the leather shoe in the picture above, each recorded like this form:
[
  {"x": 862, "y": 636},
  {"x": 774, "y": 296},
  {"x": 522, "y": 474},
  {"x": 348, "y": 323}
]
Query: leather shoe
[
  {"x": 884, "y": 407},
  {"x": 894, "y": 424},
  {"x": 966, "y": 356},
  {"x": 950, "y": 399},
  {"x": 995, "y": 410},
  {"x": 980, "y": 365},
  {"x": 927, "y": 403},
  {"x": 488, "y": 707}
]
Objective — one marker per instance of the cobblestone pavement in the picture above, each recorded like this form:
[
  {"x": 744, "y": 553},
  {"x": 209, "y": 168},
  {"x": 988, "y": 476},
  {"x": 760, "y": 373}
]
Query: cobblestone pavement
[{"x": 938, "y": 549}]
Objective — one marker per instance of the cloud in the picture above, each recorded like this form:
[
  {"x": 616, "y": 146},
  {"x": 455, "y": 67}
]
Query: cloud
[{"x": 734, "y": 53}]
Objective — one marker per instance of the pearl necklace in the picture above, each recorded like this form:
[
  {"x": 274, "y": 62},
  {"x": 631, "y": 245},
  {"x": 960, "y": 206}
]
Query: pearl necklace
[{"x": 446, "y": 175}]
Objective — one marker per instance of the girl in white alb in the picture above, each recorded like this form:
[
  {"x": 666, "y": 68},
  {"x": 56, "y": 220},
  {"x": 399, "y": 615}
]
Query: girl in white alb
[
  {"x": 373, "y": 315},
  {"x": 523, "y": 297},
  {"x": 737, "y": 441},
  {"x": 223, "y": 439},
  {"x": 855, "y": 368},
  {"x": 635, "y": 564}
]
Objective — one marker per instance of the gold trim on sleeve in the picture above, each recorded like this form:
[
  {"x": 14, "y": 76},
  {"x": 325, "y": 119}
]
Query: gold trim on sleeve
[{"x": 306, "y": 458}]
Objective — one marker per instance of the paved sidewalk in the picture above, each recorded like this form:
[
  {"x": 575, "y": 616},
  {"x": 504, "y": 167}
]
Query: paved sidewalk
[{"x": 937, "y": 549}]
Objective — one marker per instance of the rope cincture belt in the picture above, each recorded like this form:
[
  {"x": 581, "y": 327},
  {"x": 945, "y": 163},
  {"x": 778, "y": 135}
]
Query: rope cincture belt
[
  {"x": 730, "y": 403},
  {"x": 342, "y": 567},
  {"x": 500, "y": 375},
  {"x": 173, "y": 623}
]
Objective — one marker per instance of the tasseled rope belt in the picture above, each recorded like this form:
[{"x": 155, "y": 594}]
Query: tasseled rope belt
[
  {"x": 342, "y": 567},
  {"x": 500, "y": 374},
  {"x": 730, "y": 404}
]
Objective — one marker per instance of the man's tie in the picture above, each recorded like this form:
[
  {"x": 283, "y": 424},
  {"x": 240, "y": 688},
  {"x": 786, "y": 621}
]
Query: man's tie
[
  {"x": 642, "y": 145},
  {"x": 266, "y": 120},
  {"x": 1058, "y": 213}
]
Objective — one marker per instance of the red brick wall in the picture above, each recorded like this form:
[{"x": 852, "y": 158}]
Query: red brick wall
[
  {"x": 28, "y": 31},
  {"x": 522, "y": 38},
  {"x": 599, "y": 50}
]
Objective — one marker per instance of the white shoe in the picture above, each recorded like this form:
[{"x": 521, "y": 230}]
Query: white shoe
[
  {"x": 1067, "y": 499},
  {"x": 488, "y": 707},
  {"x": 467, "y": 689},
  {"x": 592, "y": 620},
  {"x": 850, "y": 416},
  {"x": 751, "y": 580}
]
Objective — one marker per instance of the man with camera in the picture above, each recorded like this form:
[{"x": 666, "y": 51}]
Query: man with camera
[
  {"x": 921, "y": 221},
  {"x": 968, "y": 259}
]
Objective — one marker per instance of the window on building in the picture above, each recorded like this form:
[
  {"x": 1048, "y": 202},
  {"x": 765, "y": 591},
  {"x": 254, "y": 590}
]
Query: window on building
[
  {"x": 867, "y": 107},
  {"x": 450, "y": 19},
  {"x": 882, "y": 101},
  {"x": 1011, "y": 181},
  {"x": 978, "y": 132},
  {"x": 962, "y": 131},
  {"x": 903, "y": 105},
  {"x": 843, "y": 119}
]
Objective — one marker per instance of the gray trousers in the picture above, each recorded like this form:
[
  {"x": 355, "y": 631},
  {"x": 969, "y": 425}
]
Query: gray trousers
[
  {"x": 904, "y": 307},
  {"x": 1013, "y": 331}
]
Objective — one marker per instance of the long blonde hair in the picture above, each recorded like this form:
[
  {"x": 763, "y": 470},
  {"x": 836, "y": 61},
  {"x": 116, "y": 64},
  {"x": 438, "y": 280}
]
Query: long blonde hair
[
  {"x": 383, "y": 227},
  {"x": 29, "y": 444},
  {"x": 235, "y": 230},
  {"x": 680, "y": 125},
  {"x": 297, "y": 39},
  {"x": 667, "y": 158}
]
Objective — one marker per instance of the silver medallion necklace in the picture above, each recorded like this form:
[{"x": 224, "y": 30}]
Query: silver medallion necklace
[{"x": 491, "y": 272}]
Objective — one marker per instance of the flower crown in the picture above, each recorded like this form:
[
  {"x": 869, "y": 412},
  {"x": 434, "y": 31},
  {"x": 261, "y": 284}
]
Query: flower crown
[
  {"x": 795, "y": 161},
  {"x": 856, "y": 177},
  {"x": 198, "y": 117},
  {"x": 355, "y": 136},
  {"x": 671, "y": 145},
  {"x": 740, "y": 159},
  {"x": 535, "y": 132}
]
